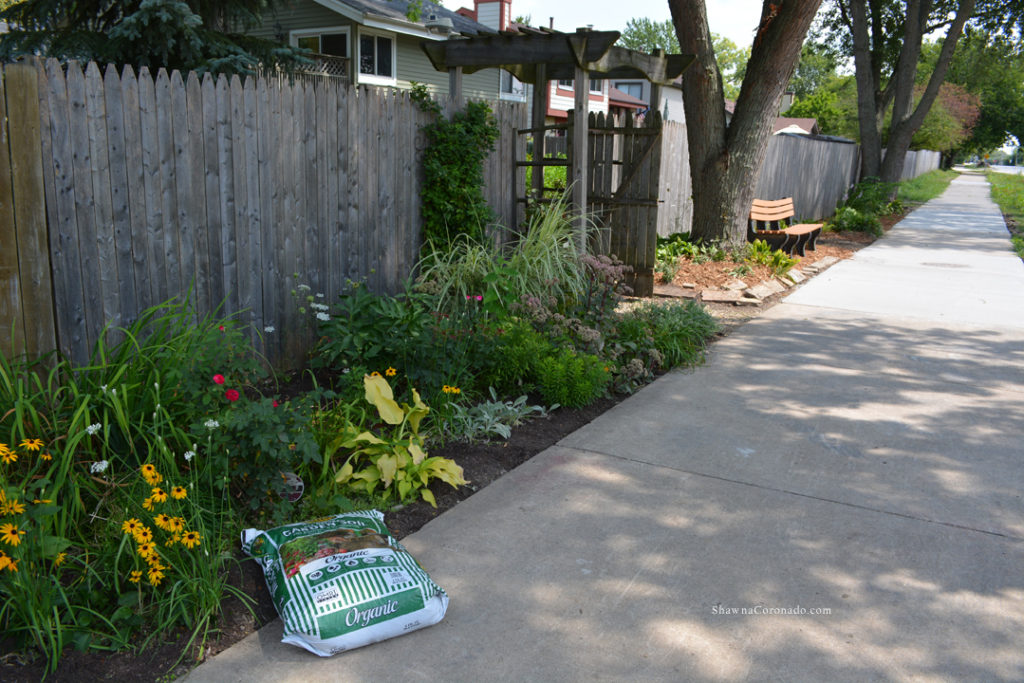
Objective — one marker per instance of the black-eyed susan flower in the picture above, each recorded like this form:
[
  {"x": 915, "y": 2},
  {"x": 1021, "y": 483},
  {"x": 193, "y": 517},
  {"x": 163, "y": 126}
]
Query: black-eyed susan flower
[
  {"x": 190, "y": 539},
  {"x": 143, "y": 534},
  {"x": 7, "y": 455},
  {"x": 148, "y": 504},
  {"x": 155, "y": 577},
  {"x": 145, "y": 549},
  {"x": 159, "y": 495},
  {"x": 59, "y": 560},
  {"x": 178, "y": 492},
  {"x": 130, "y": 526},
  {"x": 150, "y": 474},
  {"x": 374, "y": 374},
  {"x": 153, "y": 560},
  {"x": 4, "y": 560},
  {"x": 10, "y": 534},
  {"x": 391, "y": 372},
  {"x": 9, "y": 506},
  {"x": 32, "y": 444},
  {"x": 135, "y": 576},
  {"x": 163, "y": 520},
  {"x": 45, "y": 457},
  {"x": 177, "y": 524},
  {"x": 172, "y": 539}
]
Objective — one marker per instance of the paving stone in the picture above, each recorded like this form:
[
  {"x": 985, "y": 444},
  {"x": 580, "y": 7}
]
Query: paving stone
[
  {"x": 796, "y": 276},
  {"x": 826, "y": 262},
  {"x": 689, "y": 285},
  {"x": 720, "y": 296},
  {"x": 783, "y": 282},
  {"x": 763, "y": 290},
  {"x": 774, "y": 285},
  {"x": 736, "y": 285},
  {"x": 674, "y": 292}
]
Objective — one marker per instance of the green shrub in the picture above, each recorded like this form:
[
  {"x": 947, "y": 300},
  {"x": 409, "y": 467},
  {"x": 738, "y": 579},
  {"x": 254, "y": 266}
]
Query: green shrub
[
  {"x": 679, "y": 330},
  {"x": 847, "y": 218},
  {"x": 571, "y": 379},
  {"x": 512, "y": 368},
  {"x": 760, "y": 252},
  {"x": 871, "y": 196}
]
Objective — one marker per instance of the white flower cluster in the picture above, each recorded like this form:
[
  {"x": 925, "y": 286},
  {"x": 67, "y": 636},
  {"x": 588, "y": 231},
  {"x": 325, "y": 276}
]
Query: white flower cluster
[
  {"x": 93, "y": 428},
  {"x": 269, "y": 329},
  {"x": 320, "y": 307},
  {"x": 323, "y": 316},
  {"x": 99, "y": 467},
  {"x": 189, "y": 455},
  {"x": 211, "y": 424}
]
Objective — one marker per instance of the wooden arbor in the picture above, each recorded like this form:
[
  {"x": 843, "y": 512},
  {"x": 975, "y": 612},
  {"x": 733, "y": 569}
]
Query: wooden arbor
[{"x": 537, "y": 56}]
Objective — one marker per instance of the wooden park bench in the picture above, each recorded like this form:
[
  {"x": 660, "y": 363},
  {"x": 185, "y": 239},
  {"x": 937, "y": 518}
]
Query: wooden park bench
[{"x": 765, "y": 224}]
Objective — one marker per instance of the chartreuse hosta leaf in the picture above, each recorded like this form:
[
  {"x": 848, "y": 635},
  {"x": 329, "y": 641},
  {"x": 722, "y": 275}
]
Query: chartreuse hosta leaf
[{"x": 395, "y": 462}]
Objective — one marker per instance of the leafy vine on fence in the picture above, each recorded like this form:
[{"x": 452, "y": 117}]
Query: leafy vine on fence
[{"x": 452, "y": 198}]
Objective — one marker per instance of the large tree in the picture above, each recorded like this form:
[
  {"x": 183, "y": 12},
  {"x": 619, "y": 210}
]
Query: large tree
[
  {"x": 725, "y": 158},
  {"x": 206, "y": 35},
  {"x": 885, "y": 39}
]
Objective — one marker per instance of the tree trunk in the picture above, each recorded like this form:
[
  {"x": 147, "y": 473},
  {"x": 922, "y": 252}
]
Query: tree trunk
[
  {"x": 872, "y": 101},
  {"x": 725, "y": 159}
]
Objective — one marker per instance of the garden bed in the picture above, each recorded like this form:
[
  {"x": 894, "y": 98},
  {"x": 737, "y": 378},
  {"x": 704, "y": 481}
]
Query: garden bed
[{"x": 482, "y": 464}]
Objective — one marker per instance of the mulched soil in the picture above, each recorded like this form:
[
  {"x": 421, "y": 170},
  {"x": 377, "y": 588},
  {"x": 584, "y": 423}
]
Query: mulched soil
[{"x": 482, "y": 464}]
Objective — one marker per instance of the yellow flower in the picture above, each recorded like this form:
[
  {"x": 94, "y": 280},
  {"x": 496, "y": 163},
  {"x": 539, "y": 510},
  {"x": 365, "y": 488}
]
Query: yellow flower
[
  {"x": 159, "y": 495},
  {"x": 174, "y": 538},
  {"x": 155, "y": 577},
  {"x": 190, "y": 539},
  {"x": 163, "y": 521},
  {"x": 7, "y": 455},
  {"x": 43, "y": 501},
  {"x": 446, "y": 389},
  {"x": 135, "y": 576},
  {"x": 12, "y": 565},
  {"x": 59, "y": 560},
  {"x": 32, "y": 444},
  {"x": 130, "y": 526},
  {"x": 4, "y": 560},
  {"x": 150, "y": 474},
  {"x": 391, "y": 372},
  {"x": 148, "y": 504},
  {"x": 9, "y": 507},
  {"x": 178, "y": 492},
  {"x": 374, "y": 374},
  {"x": 10, "y": 534},
  {"x": 177, "y": 524},
  {"x": 143, "y": 534},
  {"x": 145, "y": 549},
  {"x": 45, "y": 456},
  {"x": 153, "y": 560}
]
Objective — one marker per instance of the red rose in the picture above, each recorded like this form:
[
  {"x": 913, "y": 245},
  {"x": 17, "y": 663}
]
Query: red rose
[
  {"x": 231, "y": 394},
  {"x": 275, "y": 404},
  {"x": 218, "y": 379}
]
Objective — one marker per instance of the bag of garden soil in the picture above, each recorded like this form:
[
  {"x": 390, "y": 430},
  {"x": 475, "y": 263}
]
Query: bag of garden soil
[{"x": 342, "y": 582}]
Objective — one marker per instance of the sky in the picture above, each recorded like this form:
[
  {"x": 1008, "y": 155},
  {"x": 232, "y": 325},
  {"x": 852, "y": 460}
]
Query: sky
[{"x": 734, "y": 19}]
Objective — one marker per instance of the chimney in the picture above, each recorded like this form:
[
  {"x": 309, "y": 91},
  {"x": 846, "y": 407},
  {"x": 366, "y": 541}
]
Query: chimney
[{"x": 494, "y": 14}]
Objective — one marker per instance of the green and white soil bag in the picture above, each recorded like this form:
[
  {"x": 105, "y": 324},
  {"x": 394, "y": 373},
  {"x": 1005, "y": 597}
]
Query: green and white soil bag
[{"x": 342, "y": 582}]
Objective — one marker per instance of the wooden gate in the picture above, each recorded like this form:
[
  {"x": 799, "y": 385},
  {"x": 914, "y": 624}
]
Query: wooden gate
[
  {"x": 624, "y": 174},
  {"x": 623, "y": 181}
]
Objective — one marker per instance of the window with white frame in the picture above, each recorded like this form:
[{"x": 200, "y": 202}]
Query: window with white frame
[
  {"x": 511, "y": 87},
  {"x": 376, "y": 58},
  {"x": 565, "y": 83},
  {"x": 327, "y": 41},
  {"x": 596, "y": 86}
]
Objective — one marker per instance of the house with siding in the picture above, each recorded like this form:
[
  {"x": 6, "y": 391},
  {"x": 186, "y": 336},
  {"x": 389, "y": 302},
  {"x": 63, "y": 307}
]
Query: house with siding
[{"x": 377, "y": 42}]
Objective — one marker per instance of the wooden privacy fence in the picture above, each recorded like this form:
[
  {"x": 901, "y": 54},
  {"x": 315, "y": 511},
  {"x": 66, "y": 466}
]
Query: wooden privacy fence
[
  {"x": 119, "y": 191},
  {"x": 817, "y": 173}
]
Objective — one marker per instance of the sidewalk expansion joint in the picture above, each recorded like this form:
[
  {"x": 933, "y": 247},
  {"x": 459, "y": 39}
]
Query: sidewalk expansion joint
[{"x": 772, "y": 489}]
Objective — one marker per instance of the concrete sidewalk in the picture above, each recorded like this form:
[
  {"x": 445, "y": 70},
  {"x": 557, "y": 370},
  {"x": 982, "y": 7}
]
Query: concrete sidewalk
[{"x": 836, "y": 495}]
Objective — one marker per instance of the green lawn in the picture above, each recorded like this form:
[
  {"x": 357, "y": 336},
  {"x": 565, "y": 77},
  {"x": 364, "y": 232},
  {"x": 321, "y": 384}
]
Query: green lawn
[{"x": 1008, "y": 193}]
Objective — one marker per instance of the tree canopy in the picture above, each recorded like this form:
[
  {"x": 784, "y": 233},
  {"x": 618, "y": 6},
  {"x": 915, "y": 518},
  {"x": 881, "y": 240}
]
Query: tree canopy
[
  {"x": 885, "y": 38},
  {"x": 205, "y": 35}
]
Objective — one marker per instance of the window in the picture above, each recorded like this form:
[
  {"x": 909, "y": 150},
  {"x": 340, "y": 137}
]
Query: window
[
  {"x": 634, "y": 89},
  {"x": 376, "y": 58},
  {"x": 567, "y": 84},
  {"x": 596, "y": 86},
  {"x": 332, "y": 41},
  {"x": 511, "y": 87}
]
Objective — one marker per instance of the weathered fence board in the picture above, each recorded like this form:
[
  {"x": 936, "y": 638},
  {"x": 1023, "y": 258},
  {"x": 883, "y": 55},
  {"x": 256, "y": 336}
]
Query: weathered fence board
[{"x": 12, "y": 319}]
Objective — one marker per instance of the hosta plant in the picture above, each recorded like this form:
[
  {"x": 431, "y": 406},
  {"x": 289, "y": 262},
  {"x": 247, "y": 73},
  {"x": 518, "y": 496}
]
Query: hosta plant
[{"x": 393, "y": 464}]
